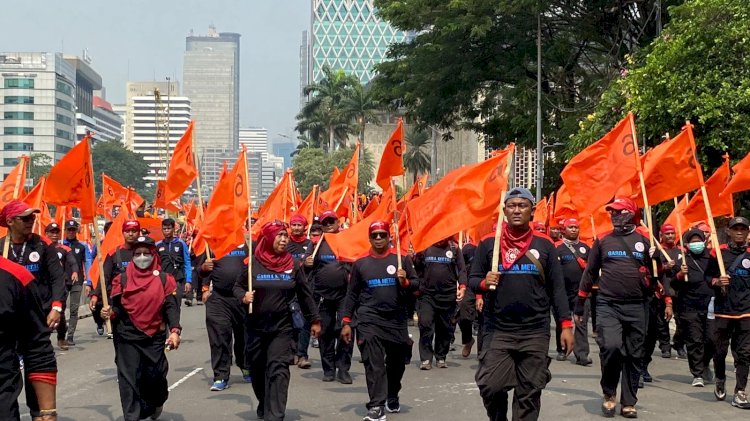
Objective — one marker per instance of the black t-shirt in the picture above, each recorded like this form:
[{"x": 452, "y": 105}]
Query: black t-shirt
[
  {"x": 441, "y": 269},
  {"x": 736, "y": 300},
  {"x": 693, "y": 294},
  {"x": 573, "y": 259},
  {"x": 330, "y": 276},
  {"x": 300, "y": 250},
  {"x": 42, "y": 261},
  {"x": 521, "y": 302},
  {"x": 225, "y": 271}
]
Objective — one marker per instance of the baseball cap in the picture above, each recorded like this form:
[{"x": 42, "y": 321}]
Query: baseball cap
[
  {"x": 519, "y": 192},
  {"x": 570, "y": 222},
  {"x": 131, "y": 225},
  {"x": 14, "y": 209},
  {"x": 144, "y": 241},
  {"x": 328, "y": 214},
  {"x": 738, "y": 220},
  {"x": 71, "y": 224},
  {"x": 623, "y": 203},
  {"x": 667, "y": 228},
  {"x": 379, "y": 226},
  {"x": 52, "y": 227}
]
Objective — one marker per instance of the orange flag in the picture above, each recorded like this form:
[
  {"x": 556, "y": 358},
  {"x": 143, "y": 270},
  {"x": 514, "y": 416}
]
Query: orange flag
[
  {"x": 720, "y": 205},
  {"x": 371, "y": 206},
  {"x": 392, "y": 161},
  {"x": 564, "y": 207},
  {"x": 540, "y": 213},
  {"x": 281, "y": 203},
  {"x": 71, "y": 181},
  {"x": 134, "y": 200},
  {"x": 112, "y": 240},
  {"x": 14, "y": 182},
  {"x": 35, "y": 198},
  {"x": 741, "y": 180},
  {"x": 113, "y": 193},
  {"x": 343, "y": 186},
  {"x": 159, "y": 202},
  {"x": 593, "y": 176},
  {"x": 224, "y": 224},
  {"x": 153, "y": 226},
  {"x": 676, "y": 218},
  {"x": 309, "y": 206},
  {"x": 182, "y": 170},
  {"x": 464, "y": 198}
]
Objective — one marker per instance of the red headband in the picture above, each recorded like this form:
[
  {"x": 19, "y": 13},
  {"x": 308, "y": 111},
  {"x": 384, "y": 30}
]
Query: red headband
[
  {"x": 379, "y": 226},
  {"x": 131, "y": 225},
  {"x": 297, "y": 218},
  {"x": 667, "y": 228},
  {"x": 570, "y": 222}
]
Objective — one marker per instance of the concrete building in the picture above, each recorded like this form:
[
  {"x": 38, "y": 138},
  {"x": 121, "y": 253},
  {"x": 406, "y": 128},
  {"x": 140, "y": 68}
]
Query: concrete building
[
  {"x": 121, "y": 110},
  {"x": 255, "y": 139},
  {"x": 108, "y": 125},
  {"x": 87, "y": 81},
  {"x": 304, "y": 67},
  {"x": 38, "y": 92},
  {"x": 212, "y": 161},
  {"x": 284, "y": 150},
  {"x": 348, "y": 35},
  {"x": 155, "y": 123},
  {"x": 211, "y": 78}
]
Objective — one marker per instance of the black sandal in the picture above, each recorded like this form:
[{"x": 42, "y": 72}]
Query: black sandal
[
  {"x": 608, "y": 406},
  {"x": 629, "y": 412}
]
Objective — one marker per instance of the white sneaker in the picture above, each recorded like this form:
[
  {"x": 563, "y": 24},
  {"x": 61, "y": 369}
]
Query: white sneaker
[{"x": 698, "y": 382}]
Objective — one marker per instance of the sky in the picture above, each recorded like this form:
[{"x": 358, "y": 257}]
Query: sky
[{"x": 144, "y": 40}]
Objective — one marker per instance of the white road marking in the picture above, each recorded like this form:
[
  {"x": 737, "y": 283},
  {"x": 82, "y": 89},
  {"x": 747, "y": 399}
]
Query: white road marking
[{"x": 182, "y": 380}]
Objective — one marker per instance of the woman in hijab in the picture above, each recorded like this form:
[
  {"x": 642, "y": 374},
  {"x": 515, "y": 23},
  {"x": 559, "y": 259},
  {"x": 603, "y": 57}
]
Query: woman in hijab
[
  {"x": 276, "y": 280},
  {"x": 145, "y": 319}
]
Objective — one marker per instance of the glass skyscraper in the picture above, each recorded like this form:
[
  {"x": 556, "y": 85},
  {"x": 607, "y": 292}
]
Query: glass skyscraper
[{"x": 346, "y": 34}]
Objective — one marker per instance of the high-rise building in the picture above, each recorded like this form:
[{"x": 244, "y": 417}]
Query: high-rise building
[
  {"x": 348, "y": 35},
  {"x": 255, "y": 139},
  {"x": 304, "y": 67},
  {"x": 284, "y": 150},
  {"x": 155, "y": 123},
  {"x": 87, "y": 81},
  {"x": 108, "y": 125},
  {"x": 211, "y": 78},
  {"x": 38, "y": 92}
]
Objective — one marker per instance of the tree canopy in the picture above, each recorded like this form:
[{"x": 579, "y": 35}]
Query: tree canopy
[
  {"x": 125, "y": 166},
  {"x": 313, "y": 166}
]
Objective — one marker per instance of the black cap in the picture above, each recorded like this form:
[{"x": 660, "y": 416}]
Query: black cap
[
  {"x": 520, "y": 192},
  {"x": 738, "y": 220},
  {"x": 52, "y": 227},
  {"x": 167, "y": 222},
  {"x": 693, "y": 233},
  {"x": 72, "y": 224},
  {"x": 144, "y": 241}
]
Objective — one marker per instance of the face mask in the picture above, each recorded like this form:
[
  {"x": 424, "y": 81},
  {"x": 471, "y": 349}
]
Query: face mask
[
  {"x": 143, "y": 262},
  {"x": 697, "y": 248}
]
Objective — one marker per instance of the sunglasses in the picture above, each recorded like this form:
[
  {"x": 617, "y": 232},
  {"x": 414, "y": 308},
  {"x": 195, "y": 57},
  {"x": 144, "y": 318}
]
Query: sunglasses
[
  {"x": 27, "y": 218},
  {"x": 378, "y": 235}
]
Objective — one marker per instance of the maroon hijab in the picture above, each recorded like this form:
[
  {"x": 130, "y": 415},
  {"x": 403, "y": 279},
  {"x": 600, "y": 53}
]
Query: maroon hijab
[{"x": 265, "y": 253}]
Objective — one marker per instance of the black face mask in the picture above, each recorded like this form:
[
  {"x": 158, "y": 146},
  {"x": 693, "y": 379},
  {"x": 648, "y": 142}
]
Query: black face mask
[{"x": 623, "y": 222}]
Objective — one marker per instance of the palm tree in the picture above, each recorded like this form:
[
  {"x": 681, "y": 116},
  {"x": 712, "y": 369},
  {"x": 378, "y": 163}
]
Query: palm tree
[
  {"x": 361, "y": 105},
  {"x": 417, "y": 156}
]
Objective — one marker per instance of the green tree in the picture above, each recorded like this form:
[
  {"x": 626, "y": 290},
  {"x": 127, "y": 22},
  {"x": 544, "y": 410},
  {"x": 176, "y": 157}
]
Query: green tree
[
  {"x": 125, "y": 166},
  {"x": 473, "y": 64},
  {"x": 417, "y": 156},
  {"x": 313, "y": 166},
  {"x": 39, "y": 165},
  {"x": 362, "y": 107}
]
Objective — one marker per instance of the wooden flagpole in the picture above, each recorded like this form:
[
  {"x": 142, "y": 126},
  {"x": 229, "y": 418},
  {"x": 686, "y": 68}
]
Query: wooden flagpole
[
  {"x": 679, "y": 229},
  {"x": 593, "y": 226},
  {"x": 395, "y": 224},
  {"x": 317, "y": 246},
  {"x": 249, "y": 231},
  {"x": 500, "y": 219},
  {"x": 315, "y": 202},
  {"x": 341, "y": 199},
  {"x": 642, "y": 180}
]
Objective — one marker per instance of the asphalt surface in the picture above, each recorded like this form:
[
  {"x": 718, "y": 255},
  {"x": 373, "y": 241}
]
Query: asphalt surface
[{"x": 87, "y": 388}]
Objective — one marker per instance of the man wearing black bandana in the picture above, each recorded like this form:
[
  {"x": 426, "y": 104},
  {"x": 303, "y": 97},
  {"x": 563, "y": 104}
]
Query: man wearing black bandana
[
  {"x": 518, "y": 295},
  {"x": 624, "y": 285}
]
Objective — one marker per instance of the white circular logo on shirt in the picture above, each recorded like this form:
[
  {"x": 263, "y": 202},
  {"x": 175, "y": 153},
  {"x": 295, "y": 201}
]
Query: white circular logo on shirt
[
  {"x": 391, "y": 269},
  {"x": 640, "y": 247},
  {"x": 449, "y": 254},
  {"x": 59, "y": 255},
  {"x": 156, "y": 273},
  {"x": 582, "y": 250},
  {"x": 34, "y": 256},
  {"x": 746, "y": 263},
  {"x": 534, "y": 253}
]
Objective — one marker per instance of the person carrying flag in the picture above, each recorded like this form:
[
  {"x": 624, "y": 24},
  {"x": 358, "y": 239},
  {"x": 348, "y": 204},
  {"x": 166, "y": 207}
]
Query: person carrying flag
[
  {"x": 83, "y": 258},
  {"x": 70, "y": 268}
]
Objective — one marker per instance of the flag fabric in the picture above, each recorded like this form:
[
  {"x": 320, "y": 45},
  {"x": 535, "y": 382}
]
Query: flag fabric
[
  {"x": 224, "y": 221},
  {"x": 35, "y": 199},
  {"x": 343, "y": 186},
  {"x": 160, "y": 201},
  {"x": 282, "y": 202},
  {"x": 463, "y": 198},
  {"x": 564, "y": 207},
  {"x": 720, "y": 205},
  {"x": 71, "y": 181},
  {"x": 676, "y": 217},
  {"x": 109, "y": 244},
  {"x": 392, "y": 160},
  {"x": 153, "y": 226},
  {"x": 309, "y": 207},
  {"x": 593, "y": 176},
  {"x": 14, "y": 182},
  {"x": 182, "y": 169},
  {"x": 371, "y": 206},
  {"x": 741, "y": 180},
  {"x": 113, "y": 193},
  {"x": 540, "y": 212}
]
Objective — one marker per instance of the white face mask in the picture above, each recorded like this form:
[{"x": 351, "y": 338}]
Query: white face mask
[{"x": 144, "y": 261}]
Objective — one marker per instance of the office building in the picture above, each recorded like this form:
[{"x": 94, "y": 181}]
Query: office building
[
  {"x": 284, "y": 150},
  {"x": 87, "y": 81},
  {"x": 38, "y": 92},
  {"x": 304, "y": 68},
  {"x": 108, "y": 125},
  {"x": 348, "y": 35},
  {"x": 211, "y": 79},
  {"x": 255, "y": 139}
]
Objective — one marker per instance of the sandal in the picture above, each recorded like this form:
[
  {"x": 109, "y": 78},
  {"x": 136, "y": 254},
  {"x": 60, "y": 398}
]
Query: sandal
[
  {"x": 629, "y": 412},
  {"x": 608, "y": 406}
]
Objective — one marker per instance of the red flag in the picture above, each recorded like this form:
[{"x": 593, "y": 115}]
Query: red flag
[
  {"x": 593, "y": 176},
  {"x": 14, "y": 182},
  {"x": 224, "y": 219},
  {"x": 392, "y": 160},
  {"x": 182, "y": 170},
  {"x": 720, "y": 205},
  {"x": 741, "y": 180},
  {"x": 464, "y": 198},
  {"x": 71, "y": 181}
]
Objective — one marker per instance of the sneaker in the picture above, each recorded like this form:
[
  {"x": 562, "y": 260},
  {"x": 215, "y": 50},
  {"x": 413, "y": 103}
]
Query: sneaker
[
  {"x": 426, "y": 365},
  {"x": 157, "y": 413},
  {"x": 466, "y": 351},
  {"x": 199, "y": 302},
  {"x": 315, "y": 343},
  {"x": 740, "y": 400},
  {"x": 608, "y": 406},
  {"x": 375, "y": 414},
  {"x": 647, "y": 377},
  {"x": 584, "y": 362},
  {"x": 189, "y": 303},
  {"x": 441, "y": 364},
  {"x": 666, "y": 354},
  {"x": 392, "y": 406},
  {"x": 343, "y": 377},
  {"x": 63, "y": 344},
  {"x": 100, "y": 330},
  {"x": 304, "y": 363},
  {"x": 71, "y": 342},
  {"x": 328, "y": 377},
  {"x": 109, "y": 336},
  {"x": 561, "y": 356},
  {"x": 719, "y": 391},
  {"x": 246, "y": 377},
  {"x": 219, "y": 385},
  {"x": 682, "y": 354},
  {"x": 698, "y": 382}
]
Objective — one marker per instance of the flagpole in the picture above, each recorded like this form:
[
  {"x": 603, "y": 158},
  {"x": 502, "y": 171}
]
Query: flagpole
[
  {"x": 200, "y": 203},
  {"x": 16, "y": 191},
  {"x": 315, "y": 202},
  {"x": 679, "y": 229},
  {"x": 341, "y": 199},
  {"x": 249, "y": 232},
  {"x": 643, "y": 191},
  {"x": 395, "y": 224},
  {"x": 500, "y": 219},
  {"x": 317, "y": 246},
  {"x": 593, "y": 226}
]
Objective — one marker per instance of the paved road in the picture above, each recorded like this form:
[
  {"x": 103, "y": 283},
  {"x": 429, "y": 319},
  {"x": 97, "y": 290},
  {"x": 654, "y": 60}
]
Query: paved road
[{"x": 88, "y": 388}]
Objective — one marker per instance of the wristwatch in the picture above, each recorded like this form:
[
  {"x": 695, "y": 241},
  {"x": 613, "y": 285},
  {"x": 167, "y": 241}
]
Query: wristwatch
[{"x": 58, "y": 309}]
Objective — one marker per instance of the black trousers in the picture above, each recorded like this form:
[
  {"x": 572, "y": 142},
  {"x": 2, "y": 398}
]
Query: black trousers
[
  {"x": 698, "y": 341},
  {"x": 334, "y": 353},
  {"x": 738, "y": 331},
  {"x": 621, "y": 333},
  {"x": 197, "y": 290},
  {"x": 657, "y": 330},
  {"x": 512, "y": 361},
  {"x": 13, "y": 382},
  {"x": 270, "y": 355},
  {"x": 141, "y": 375},
  {"x": 467, "y": 314},
  {"x": 679, "y": 339},
  {"x": 225, "y": 322},
  {"x": 385, "y": 363},
  {"x": 581, "y": 335},
  {"x": 435, "y": 325},
  {"x": 75, "y": 301},
  {"x": 180, "y": 291}
]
